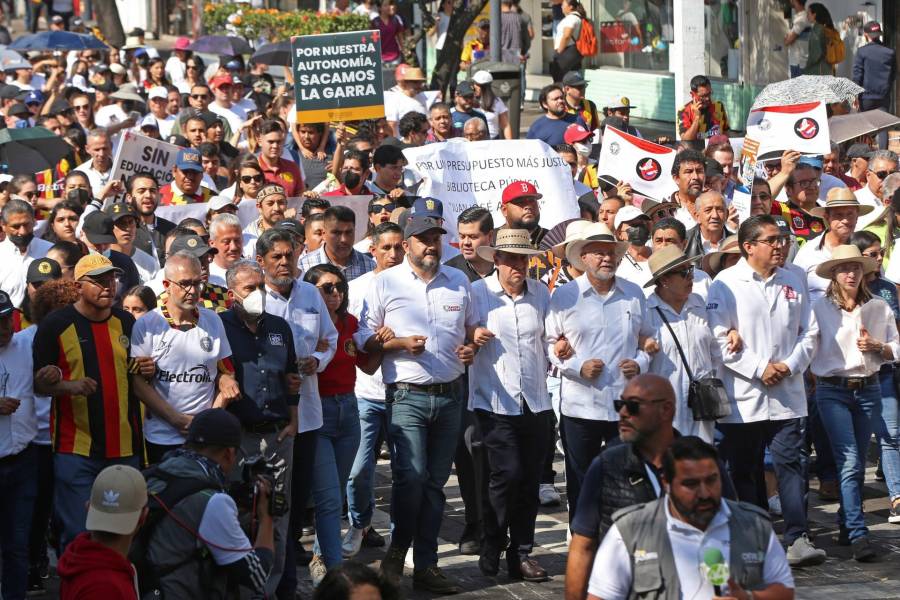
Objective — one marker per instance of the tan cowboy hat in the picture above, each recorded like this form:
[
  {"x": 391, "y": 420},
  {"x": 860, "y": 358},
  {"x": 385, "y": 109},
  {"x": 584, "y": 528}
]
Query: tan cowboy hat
[
  {"x": 514, "y": 241},
  {"x": 712, "y": 262},
  {"x": 573, "y": 232},
  {"x": 666, "y": 260},
  {"x": 595, "y": 232},
  {"x": 846, "y": 253},
  {"x": 840, "y": 196}
]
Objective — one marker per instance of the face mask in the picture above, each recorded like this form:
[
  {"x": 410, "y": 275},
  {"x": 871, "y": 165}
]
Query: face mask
[
  {"x": 21, "y": 240},
  {"x": 583, "y": 150},
  {"x": 638, "y": 234},
  {"x": 254, "y": 304},
  {"x": 351, "y": 179}
]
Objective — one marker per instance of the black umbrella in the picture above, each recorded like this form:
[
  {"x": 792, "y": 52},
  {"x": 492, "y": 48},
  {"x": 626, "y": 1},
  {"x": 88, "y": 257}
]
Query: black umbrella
[
  {"x": 31, "y": 149},
  {"x": 224, "y": 45},
  {"x": 276, "y": 53}
]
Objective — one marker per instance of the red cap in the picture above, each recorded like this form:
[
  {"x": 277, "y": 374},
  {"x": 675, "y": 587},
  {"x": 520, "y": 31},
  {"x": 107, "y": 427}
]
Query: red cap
[
  {"x": 221, "y": 80},
  {"x": 519, "y": 189},
  {"x": 576, "y": 133}
]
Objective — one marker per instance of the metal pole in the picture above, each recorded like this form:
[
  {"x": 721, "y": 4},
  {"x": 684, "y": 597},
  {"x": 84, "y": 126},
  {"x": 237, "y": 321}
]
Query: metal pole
[{"x": 495, "y": 30}]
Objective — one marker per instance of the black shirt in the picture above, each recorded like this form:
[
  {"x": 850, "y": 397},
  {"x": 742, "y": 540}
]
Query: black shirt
[{"x": 459, "y": 262}]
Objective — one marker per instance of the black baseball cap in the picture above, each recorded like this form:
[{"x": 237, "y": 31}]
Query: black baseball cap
[
  {"x": 57, "y": 108},
  {"x": 419, "y": 225},
  {"x": 713, "y": 168},
  {"x": 98, "y": 227},
  {"x": 464, "y": 88},
  {"x": 573, "y": 79},
  {"x": 215, "y": 427},
  {"x": 6, "y": 305},
  {"x": 18, "y": 110},
  {"x": 873, "y": 28},
  {"x": 292, "y": 226},
  {"x": 192, "y": 244},
  {"x": 43, "y": 269},
  {"x": 859, "y": 151},
  {"x": 8, "y": 92},
  {"x": 117, "y": 210}
]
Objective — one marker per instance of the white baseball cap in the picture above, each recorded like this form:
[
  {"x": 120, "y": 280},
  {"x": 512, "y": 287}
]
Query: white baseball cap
[
  {"x": 220, "y": 202},
  {"x": 482, "y": 78},
  {"x": 627, "y": 213},
  {"x": 158, "y": 92}
]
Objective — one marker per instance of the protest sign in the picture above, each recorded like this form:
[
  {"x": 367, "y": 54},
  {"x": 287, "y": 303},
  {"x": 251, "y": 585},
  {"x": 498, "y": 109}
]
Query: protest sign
[
  {"x": 338, "y": 76},
  {"x": 463, "y": 174},
  {"x": 644, "y": 165},
  {"x": 137, "y": 152},
  {"x": 799, "y": 127}
]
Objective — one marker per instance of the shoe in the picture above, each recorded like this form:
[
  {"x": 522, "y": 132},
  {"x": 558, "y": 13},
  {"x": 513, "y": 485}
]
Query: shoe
[
  {"x": 862, "y": 550},
  {"x": 35, "y": 583},
  {"x": 775, "y": 505},
  {"x": 392, "y": 564},
  {"x": 372, "y": 539},
  {"x": 524, "y": 568},
  {"x": 470, "y": 541},
  {"x": 894, "y": 515},
  {"x": 879, "y": 472},
  {"x": 433, "y": 580},
  {"x": 802, "y": 553},
  {"x": 384, "y": 454},
  {"x": 829, "y": 491},
  {"x": 548, "y": 495},
  {"x": 352, "y": 542},
  {"x": 843, "y": 538},
  {"x": 409, "y": 561},
  {"x": 307, "y": 531},
  {"x": 489, "y": 561},
  {"x": 317, "y": 570}
]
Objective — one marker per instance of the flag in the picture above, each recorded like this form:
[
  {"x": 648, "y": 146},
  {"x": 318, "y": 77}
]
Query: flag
[
  {"x": 644, "y": 165},
  {"x": 799, "y": 127}
]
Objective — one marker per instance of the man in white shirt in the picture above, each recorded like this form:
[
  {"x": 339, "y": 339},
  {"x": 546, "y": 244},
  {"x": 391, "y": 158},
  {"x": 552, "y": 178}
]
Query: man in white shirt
[
  {"x": 770, "y": 311},
  {"x": 407, "y": 96},
  {"x": 125, "y": 220},
  {"x": 18, "y": 248},
  {"x": 881, "y": 164},
  {"x": 510, "y": 400},
  {"x": 689, "y": 173},
  {"x": 429, "y": 308},
  {"x": 222, "y": 105},
  {"x": 633, "y": 226},
  {"x": 99, "y": 167},
  {"x": 225, "y": 236},
  {"x": 158, "y": 103},
  {"x": 176, "y": 65},
  {"x": 602, "y": 317},
  {"x": 271, "y": 202}
]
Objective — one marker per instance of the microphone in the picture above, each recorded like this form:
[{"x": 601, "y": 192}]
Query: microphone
[{"x": 715, "y": 569}]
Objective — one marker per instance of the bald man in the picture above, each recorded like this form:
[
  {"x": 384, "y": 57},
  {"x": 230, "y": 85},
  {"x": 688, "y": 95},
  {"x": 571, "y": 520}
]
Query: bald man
[
  {"x": 711, "y": 214},
  {"x": 645, "y": 412}
]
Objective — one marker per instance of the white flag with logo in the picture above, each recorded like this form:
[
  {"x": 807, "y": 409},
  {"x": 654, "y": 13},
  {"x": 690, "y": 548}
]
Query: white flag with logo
[
  {"x": 644, "y": 165},
  {"x": 799, "y": 127}
]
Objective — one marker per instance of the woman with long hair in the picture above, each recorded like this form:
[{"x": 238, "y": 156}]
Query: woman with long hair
[
  {"x": 566, "y": 56},
  {"x": 193, "y": 74},
  {"x": 856, "y": 334},
  {"x": 139, "y": 300},
  {"x": 495, "y": 111},
  {"x": 156, "y": 74},
  {"x": 818, "y": 42},
  {"x": 63, "y": 221},
  {"x": 247, "y": 179}
]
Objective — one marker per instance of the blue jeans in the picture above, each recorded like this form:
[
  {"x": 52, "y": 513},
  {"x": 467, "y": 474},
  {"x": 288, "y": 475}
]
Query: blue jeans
[
  {"x": 75, "y": 475},
  {"x": 887, "y": 430},
  {"x": 847, "y": 416},
  {"x": 816, "y": 435},
  {"x": 336, "y": 446},
  {"x": 360, "y": 490},
  {"x": 424, "y": 430},
  {"x": 18, "y": 491}
]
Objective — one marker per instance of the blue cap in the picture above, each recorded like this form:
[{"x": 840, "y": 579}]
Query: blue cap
[
  {"x": 812, "y": 161},
  {"x": 427, "y": 207},
  {"x": 188, "y": 159},
  {"x": 34, "y": 97}
]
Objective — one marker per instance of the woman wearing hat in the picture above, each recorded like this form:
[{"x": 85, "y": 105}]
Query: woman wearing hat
[
  {"x": 856, "y": 334},
  {"x": 495, "y": 111}
]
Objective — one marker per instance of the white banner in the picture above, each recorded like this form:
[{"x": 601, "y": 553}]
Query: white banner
[
  {"x": 137, "y": 152},
  {"x": 462, "y": 174},
  {"x": 799, "y": 127},
  {"x": 644, "y": 165}
]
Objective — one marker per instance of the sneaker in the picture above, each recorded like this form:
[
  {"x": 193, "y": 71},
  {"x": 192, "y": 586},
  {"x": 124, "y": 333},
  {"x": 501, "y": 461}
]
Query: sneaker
[
  {"x": 408, "y": 560},
  {"x": 862, "y": 550},
  {"x": 548, "y": 495},
  {"x": 392, "y": 564},
  {"x": 372, "y": 539},
  {"x": 317, "y": 570},
  {"x": 829, "y": 491},
  {"x": 433, "y": 580},
  {"x": 894, "y": 516},
  {"x": 802, "y": 553},
  {"x": 352, "y": 542},
  {"x": 775, "y": 505}
]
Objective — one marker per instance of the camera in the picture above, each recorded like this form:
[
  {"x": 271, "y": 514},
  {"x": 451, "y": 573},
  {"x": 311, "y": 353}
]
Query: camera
[{"x": 245, "y": 491}]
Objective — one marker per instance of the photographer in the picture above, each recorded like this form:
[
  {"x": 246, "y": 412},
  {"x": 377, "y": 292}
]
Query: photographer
[{"x": 189, "y": 486}]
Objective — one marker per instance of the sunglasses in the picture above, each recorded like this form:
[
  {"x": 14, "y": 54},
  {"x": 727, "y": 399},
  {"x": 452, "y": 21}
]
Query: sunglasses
[
  {"x": 882, "y": 174},
  {"x": 30, "y": 194},
  {"x": 330, "y": 288},
  {"x": 199, "y": 96},
  {"x": 685, "y": 273},
  {"x": 80, "y": 107},
  {"x": 249, "y": 178},
  {"x": 389, "y": 207},
  {"x": 633, "y": 405}
]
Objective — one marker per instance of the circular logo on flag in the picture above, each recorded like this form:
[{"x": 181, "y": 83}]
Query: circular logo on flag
[
  {"x": 765, "y": 125},
  {"x": 649, "y": 169},
  {"x": 806, "y": 128},
  {"x": 614, "y": 148},
  {"x": 816, "y": 227}
]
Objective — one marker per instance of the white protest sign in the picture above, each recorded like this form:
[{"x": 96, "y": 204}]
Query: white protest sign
[
  {"x": 644, "y": 165},
  {"x": 138, "y": 152},
  {"x": 740, "y": 201},
  {"x": 799, "y": 127},
  {"x": 462, "y": 174}
]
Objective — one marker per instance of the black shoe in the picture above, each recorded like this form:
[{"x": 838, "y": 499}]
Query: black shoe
[
  {"x": 433, "y": 580},
  {"x": 470, "y": 541},
  {"x": 36, "y": 584},
  {"x": 372, "y": 539},
  {"x": 392, "y": 564},
  {"x": 489, "y": 561},
  {"x": 862, "y": 550}
]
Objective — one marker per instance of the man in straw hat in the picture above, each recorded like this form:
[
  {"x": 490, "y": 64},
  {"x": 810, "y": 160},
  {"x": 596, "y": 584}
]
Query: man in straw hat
[
  {"x": 602, "y": 317},
  {"x": 406, "y": 97},
  {"x": 771, "y": 311},
  {"x": 510, "y": 400}
]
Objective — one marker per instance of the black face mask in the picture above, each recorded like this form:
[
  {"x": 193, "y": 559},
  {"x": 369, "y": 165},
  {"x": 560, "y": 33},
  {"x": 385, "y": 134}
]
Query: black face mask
[
  {"x": 351, "y": 179},
  {"x": 638, "y": 234},
  {"x": 21, "y": 240}
]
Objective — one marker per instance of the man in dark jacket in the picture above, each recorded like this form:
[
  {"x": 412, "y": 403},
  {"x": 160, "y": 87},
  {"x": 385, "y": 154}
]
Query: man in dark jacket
[
  {"x": 710, "y": 230},
  {"x": 874, "y": 68}
]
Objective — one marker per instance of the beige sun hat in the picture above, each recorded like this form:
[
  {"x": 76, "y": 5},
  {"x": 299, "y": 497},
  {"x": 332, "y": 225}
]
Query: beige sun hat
[
  {"x": 595, "y": 232},
  {"x": 712, "y": 262},
  {"x": 846, "y": 253},
  {"x": 837, "y": 197},
  {"x": 666, "y": 260},
  {"x": 514, "y": 241}
]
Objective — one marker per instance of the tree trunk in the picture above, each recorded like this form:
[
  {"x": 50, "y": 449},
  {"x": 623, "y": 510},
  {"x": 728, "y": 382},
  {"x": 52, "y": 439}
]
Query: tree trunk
[
  {"x": 107, "y": 14},
  {"x": 409, "y": 44},
  {"x": 447, "y": 62}
]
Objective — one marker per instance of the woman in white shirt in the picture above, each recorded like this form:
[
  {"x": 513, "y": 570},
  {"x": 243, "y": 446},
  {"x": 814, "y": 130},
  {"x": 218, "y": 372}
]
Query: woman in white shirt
[
  {"x": 856, "y": 333},
  {"x": 566, "y": 56},
  {"x": 495, "y": 111}
]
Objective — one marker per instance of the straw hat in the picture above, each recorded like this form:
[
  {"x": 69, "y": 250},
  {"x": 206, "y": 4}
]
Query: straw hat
[
  {"x": 846, "y": 253},
  {"x": 514, "y": 241},
  {"x": 712, "y": 262},
  {"x": 573, "y": 232},
  {"x": 666, "y": 260},
  {"x": 837, "y": 197},
  {"x": 595, "y": 232}
]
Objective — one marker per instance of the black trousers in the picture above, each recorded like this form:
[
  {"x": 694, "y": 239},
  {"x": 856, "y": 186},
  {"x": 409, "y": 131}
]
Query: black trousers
[
  {"x": 43, "y": 507},
  {"x": 156, "y": 452},
  {"x": 301, "y": 487},
  {"x": 583, "y": 440},
  {"x": 471, "y": 467},
  {"x": 515, "y": 446}
]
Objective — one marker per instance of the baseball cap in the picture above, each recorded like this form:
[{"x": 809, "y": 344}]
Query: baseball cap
[
  {"x": 812, "y": 161},
  {"x": 209, "y": 118},
  {"x": 628, "y": 213},
  {"x": 43, "y": 269},
  {"x": 619, "y": 102},
  {"x": 117, "y": 69},
  {"x": 859, "y": 151},
  {"x": 33, "y": 97},
  {"x": 118, "y": 498},
  {"x": 57, "y": 108},
  {"x": 8, "y": 92},
  {"x": 158, "y": 91},
  {"x": 270, "y": 189},
  {"x": 576, "y": 133},
  {"x": 464, "y": 88},
  {"x": 56, "y": 20},
  {"x": 149, "y": 121},
  {"x": 106, "y": 86},
  {"x": 482, "y": 78},
  {"x": 117, "y": 210},
  {"x": 178, "y": 140},
  {"x": 215, "y": 427},
  {"x": 416, "y": 225},
  {"x": 98, "y": 227},
  {"x": 192, "y": 244},
  {"x": 18, "y": 110},
  {"x": 188, "y": 159},
  {"x": 573, "y": 79},
  {"x": 872, "y": 28},
  {"x": 221, "y": 80},
  {"x": 713, "y": 168},
  {"x": 6, "y": 305},
  {"x": 92, "y": 265},
  {"x": 220, "y": 202},
  {"x": 427, "y": 207},
  {"x": 292, "y": 226},
  {"x": 519, "y": 189}
]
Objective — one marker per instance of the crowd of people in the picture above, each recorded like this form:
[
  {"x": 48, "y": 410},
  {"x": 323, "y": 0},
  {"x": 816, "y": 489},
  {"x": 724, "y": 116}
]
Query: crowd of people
[{"x": 686, "y": 363}]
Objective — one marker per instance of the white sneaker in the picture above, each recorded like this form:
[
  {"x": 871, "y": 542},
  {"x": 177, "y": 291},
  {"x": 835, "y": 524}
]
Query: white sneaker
[
  {"x": 775, "y": 505},
  {"x": 317, "y": 570},
  {"x": 803, "y": 554},
  {"x": 352, "y": 542},
  {"x": 548, "y": 495},
  {"x": 408, "y": 561}
]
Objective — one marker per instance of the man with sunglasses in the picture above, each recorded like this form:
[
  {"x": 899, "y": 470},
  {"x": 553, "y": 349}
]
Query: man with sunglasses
[
  {"x": 379, "y": 210},
  {"x": 881, "y": 164}
]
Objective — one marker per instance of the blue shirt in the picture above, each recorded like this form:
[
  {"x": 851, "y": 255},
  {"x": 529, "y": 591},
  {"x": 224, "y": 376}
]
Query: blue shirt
[
  {"x": 459, "y": 118},
  {"x": 262, "y": 360},
  {"x": 553, "y": 131}
]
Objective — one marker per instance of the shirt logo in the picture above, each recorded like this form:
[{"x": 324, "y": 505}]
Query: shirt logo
[
  {"x": 816, "y": 227},
  {"x": 643, "y": 556},
  {"x": 350, "y": 348},
  {"x": 798, "y": 222},
  {"x": 198, "y": 374},
  {"x": 712, "y": 306},
  {"x": 124, "y": 341},
  {"x": 806, "y": 128},
  {"x": 275, "y": 339},
  {"x": 452, "y": 308},
  {"x": 649, "y": 169},
  {"x": 752, "y": 557}
]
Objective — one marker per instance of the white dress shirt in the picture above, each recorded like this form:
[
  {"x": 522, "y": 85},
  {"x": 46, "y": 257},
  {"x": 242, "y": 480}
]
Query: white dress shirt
[
  {"x": 229, "y": 114},
  {"x": 691, "y": 326},
  {"x": 597, "y": 327},
  {"x": 773, "y": 318},
  {"x": 370, "y": 387},
  {"x": 41, "y": 403},
  {"x": 18, "y": 429},
  {"x": 96, "y": 178},
  {"x": 635, "y": 271},
  {"x": 440, "y": 310},
  {"x": 146, "y": 265},
  {"x": 512, "y": 367},
  {"x": 217, "y": 274},
  {"x": 838, "y": 331},
  {"x": 810, "y": 255},
  {"x": 865, "y": 196},
  {"x": 306, "y": 313},
  {"x": 14, "y": 266}
]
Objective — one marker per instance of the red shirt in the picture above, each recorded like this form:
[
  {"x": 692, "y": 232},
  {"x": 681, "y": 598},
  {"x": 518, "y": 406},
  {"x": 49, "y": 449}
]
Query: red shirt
[
  {"x": 339, "y": 377},
  {"x": 286, "y": 174},
  {"x": 343, "y": 191}
]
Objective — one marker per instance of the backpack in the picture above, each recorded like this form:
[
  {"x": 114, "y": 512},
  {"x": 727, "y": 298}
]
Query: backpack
[
  {"x": 834, "y": 47},
  {"x": 587, "y": 39}
]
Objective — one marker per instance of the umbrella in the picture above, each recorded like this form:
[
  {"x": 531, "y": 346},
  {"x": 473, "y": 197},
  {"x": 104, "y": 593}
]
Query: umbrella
[
  {"x": 555, "y": 236},
  {"x": 31, "y": 149},
  {"x": 847, "y": 127},
  {"x": 807, "y": 88},
  {"x": 224, "y": 45},
  {"x": 276, "y": 53},
  {"x": 58, "y": 40}
]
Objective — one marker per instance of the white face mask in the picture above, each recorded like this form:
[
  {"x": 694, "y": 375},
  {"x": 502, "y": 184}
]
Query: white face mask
[
  {"x": 582, "y": 149},
  {"x": 255, "y": 303}
]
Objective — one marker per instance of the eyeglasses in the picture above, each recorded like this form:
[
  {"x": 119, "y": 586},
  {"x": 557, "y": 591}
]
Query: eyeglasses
[
  {"x": 330, "y": 288},
  {"x": 199, "y": 96},
  {"x": 189, "y": 285},
  {"x": 881, "y": 174},
  {"x": 633, "y": 405},
  {"x": 29, "y": 194},
  {"x": 775, "y": 240},
  {"x": 807, "y": 183},
  {"x": 377, "y": 208},
  {"x": 249, "y": 178},
  {"x": 80, "y": 107}
]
